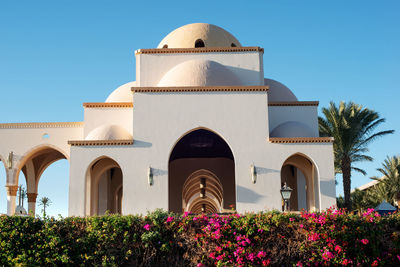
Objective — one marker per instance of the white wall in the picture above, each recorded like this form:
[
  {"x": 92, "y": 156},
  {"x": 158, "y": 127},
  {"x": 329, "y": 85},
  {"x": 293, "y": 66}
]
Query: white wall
[
  {"x": 301, "y": 191},
  {"x": 24, "y": 140},
  {"x": 95, "y": 117},
  {"x": 161, "y": 119},
  {"x": 247, "y": 66},
  {"x": 304, "y": 114}
]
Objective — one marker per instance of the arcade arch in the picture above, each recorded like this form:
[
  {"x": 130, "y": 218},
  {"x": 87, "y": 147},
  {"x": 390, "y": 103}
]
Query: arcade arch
[{"x": 33, "y": 164}]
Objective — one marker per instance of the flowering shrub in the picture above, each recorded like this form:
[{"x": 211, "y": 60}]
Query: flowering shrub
[{"x": 333, "y": 237}]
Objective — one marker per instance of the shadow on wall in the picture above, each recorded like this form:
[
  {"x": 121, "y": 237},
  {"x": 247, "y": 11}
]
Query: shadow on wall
[
  {"x": 139, "y": 143},
  {"x": 246, "y": 73},
  {"x": 261, "y": 170},
  {"x": 246, "y": 195},
  {"x": 328, "y": 188}
]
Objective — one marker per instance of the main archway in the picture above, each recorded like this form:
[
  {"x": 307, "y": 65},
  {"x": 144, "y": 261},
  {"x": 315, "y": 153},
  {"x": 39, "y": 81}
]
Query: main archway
[{"x": 201, "y": 174}]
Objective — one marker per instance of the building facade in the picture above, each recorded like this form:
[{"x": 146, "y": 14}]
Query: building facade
[{"x": 200, "y": 130}]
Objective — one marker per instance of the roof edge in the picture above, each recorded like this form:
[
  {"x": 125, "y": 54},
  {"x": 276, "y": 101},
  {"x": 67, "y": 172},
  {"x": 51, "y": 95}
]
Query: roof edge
[
  {"x": 261, "y": 88},
  {"x": 287, "y": 140},
  {"x": 21, "y": 125},
  {"x": 123, "y": 142},
  {"x": 199, "y": 50}
]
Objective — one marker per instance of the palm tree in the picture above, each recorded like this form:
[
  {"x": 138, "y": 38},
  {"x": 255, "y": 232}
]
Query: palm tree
[
  {"x": 45, "y": 202},
  {"x": 352, "y": 127},
  {"x": 390, "y": 179}
]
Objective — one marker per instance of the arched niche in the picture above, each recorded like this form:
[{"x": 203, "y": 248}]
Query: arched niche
[
  {"x": 104, "y": 180},
  {"x": 200, "y": 158},
  {"x": 300, "y": 173}
]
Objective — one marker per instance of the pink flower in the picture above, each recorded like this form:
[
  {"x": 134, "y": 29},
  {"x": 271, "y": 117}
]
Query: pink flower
[
  {"x": 147, "y": 227},
  {"x": 170, "y": 219},
  {"x": 327, "y": 255},
  {"x": 398, "y": 257},
  {"x": 260, "y": 230},
  {"x": 266, "y": 262},
  {"x": 364, "y": 241},
  {"x": 313, "y": 237},
  {"x": 338, "y": 249},
  {"x": 200, "y": 265},
  {"x": 291, "y": 219},
  {"x": 345, "y": 262},
  {"x": 301, "y": 225},
  {"x": 212, "y": 255},
  {"x": 261, "y": 254}
]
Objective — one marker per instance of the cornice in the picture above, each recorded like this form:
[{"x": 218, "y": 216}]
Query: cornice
[
  {"x": 287, "y": 140},
  {"x": 200, "y": 89},
  {"x": 101, "y": 142},
  {"x": 41, "y": 125},
  {"x": 199, "y": 50},
  {"x": 108, "y": 105},
  {"x": 294, "y": 103}
]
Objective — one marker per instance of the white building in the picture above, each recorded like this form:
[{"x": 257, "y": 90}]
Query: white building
[{"x": 199, "y": 129}]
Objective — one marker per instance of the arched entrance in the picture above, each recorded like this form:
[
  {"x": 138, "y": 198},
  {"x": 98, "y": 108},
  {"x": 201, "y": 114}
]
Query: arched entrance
[
  {"x": 201, "y": 174},
  {"x": 33, "y": 166},
  {"x": 104, "y": 187},
  {"x": 300, "y": 174}
]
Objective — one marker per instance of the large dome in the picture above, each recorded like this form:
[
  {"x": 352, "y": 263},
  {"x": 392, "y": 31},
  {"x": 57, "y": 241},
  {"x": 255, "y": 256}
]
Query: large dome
[
  {"x": 199, "y": 73},
  {"x": 278, "y": 92},
  {"x": 109, "y": 132},
  {"x": 187, "y": 36},
  {"x": 122, "y": 93},
  {"x": 292, "y": 129}
]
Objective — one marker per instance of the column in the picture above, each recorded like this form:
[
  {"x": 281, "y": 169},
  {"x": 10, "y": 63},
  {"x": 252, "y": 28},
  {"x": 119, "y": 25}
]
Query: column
[
  {"x": 32, "y": 203},
  {"x": 11, "y": 197}
]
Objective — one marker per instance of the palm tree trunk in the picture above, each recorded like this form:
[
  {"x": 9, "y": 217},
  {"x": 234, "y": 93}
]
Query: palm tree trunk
[{"x": 346, "y": 173}]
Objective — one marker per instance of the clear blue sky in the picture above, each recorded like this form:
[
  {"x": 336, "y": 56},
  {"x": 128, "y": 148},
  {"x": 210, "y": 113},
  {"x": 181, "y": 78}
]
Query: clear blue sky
[{"x": 55, "y": 55}]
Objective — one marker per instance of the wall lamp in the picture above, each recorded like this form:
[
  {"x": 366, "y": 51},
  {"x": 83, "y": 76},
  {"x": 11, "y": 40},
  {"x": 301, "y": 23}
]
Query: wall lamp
[
  {"x": 253, "y": 172},
  {"x": 150, "y": 176}
]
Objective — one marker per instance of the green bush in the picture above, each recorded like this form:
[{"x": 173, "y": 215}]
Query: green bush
[{"x": 162, "y": 239}]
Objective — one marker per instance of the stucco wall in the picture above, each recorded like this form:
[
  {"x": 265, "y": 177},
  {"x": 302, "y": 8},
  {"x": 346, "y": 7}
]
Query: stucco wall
[
  {"x": 247, "y": 66},
  {"x": 95, "y": 117},
  {"x": 240, "y": 118},
  {"x": 25, "y": 140},
  {"x": 304, "y": 114}
]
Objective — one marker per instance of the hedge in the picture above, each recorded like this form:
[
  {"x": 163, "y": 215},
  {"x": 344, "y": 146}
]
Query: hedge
[{"x": 333, "y": 237}]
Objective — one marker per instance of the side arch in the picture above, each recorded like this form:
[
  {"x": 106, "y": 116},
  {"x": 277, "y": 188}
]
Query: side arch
[
  {"x": 301, "y": 173},
  {"x": 104, "y": 187}
]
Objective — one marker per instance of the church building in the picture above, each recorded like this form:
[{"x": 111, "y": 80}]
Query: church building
[{"x": 200, "y": 130}]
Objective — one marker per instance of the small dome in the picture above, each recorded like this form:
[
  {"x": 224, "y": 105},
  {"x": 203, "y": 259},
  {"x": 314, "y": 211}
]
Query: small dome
[
  {"x": 109, "y": 132},
  {"x": 122, "y": 93},
  {"x": 204, "y": 34},
  {"x": 278, "y": 92},
  {"x": 199, "y": 73},
  {"x": 292, "y": 129}
]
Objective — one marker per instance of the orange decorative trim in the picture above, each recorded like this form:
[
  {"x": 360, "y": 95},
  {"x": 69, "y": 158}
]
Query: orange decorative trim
[
  {"x": 41, "y": 125},
  {"x": 294, "y": 103},
  {"x": 12, "y": 190},
  {"x": 200, "y": 89},
  {"x": 286, "y": 140},
  {"x": 101, "y": 142},
  {"x": 199, "y": 50},
  {"x": 108, "y": 105},
  {"x": 32, "y": 197}
]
